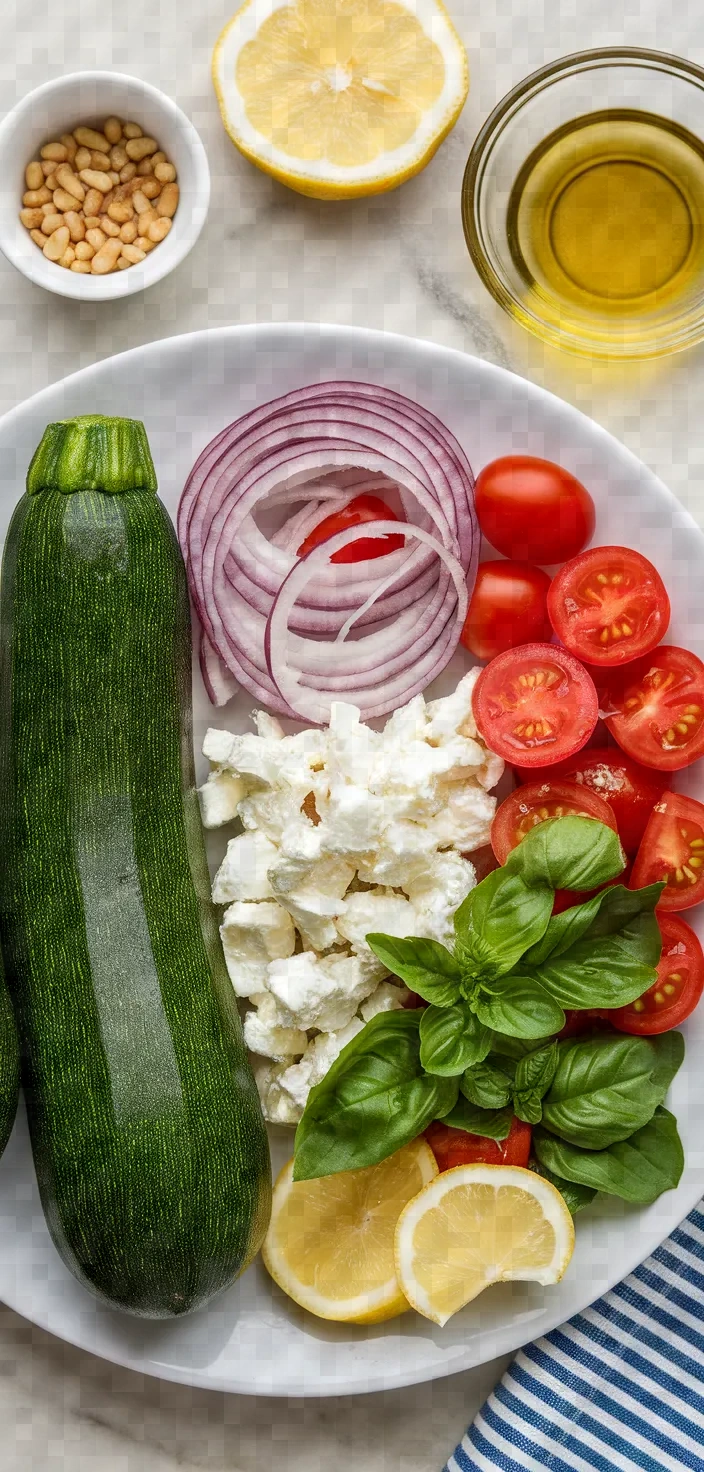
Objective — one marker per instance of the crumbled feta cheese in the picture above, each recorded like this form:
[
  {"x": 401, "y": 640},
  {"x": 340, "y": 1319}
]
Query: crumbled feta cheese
[
  {"x": 437, "y": 895},
  {"x": 313, "y": 895},
  {"x": 319, "y": 993},
  {"x": 243, "y": 872},
  {"x": 386, "y": 998},
  {"x": 220, "y": 797},
  {"x": 375, "y": 910},
  {"x": 264, "y": 1034},
  {"x": 298, "y": 1080},
  {"x": 464, "y": 820},
  {"x": 278, "y": 1107},
  {"x": 253, "y": 933}
]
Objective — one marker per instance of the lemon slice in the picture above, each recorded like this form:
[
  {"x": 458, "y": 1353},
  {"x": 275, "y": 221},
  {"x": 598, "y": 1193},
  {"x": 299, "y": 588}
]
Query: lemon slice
[
  {"x": 338, "y": 98},
  {"x": 476, "y": 1225},
  {"x": 330, "y": 1243}
]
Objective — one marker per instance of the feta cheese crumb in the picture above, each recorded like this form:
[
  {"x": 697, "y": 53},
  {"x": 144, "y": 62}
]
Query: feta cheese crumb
[
  {"x": 253, "y": 933},
  {"x": 375, "y": 909},
  {"x": 298, "y": 1080},
  {"x": 386, "y": 998},
  {"x": 323, "y": 993},
  {"x": 243, "y": 872},
  {"x": 264, "y": 1034}
]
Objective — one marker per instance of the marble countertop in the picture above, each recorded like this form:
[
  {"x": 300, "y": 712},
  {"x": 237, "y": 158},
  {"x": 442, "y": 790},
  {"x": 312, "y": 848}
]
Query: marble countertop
[{"x": 397, "y": 261}]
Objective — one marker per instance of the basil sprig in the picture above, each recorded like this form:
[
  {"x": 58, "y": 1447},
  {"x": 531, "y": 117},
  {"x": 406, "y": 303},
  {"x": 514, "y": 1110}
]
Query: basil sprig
[{"x": 484, "y": 1049}]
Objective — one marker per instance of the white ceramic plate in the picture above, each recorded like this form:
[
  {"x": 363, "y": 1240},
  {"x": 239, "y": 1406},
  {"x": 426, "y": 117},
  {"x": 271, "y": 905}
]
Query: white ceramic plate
[{"x": 253, "y": 1339}]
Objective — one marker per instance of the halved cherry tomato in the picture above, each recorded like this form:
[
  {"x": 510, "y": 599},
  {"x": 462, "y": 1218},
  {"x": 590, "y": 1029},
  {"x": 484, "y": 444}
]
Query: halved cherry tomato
[
  {"x": 655, "y": 708},
  {"x": 630, "y": 790},
  {"x": 678, "y": 988},
  {"x": 457, "y": 1147},
  {"x": 535, "y": 705},
  {"x": 508, "y": 607},
  {"x": 609, "y": 606},
  {"x": 673, "y": 849},
  {"x": 534, "y": 510},
  {"x": 588, "y": 1020},
  {"x": 527, "y": 806},
  {"x": 358, "y": 511}
]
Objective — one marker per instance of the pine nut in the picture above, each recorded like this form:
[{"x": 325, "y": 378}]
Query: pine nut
[
  {"x": 32, "y": 219},
  {"x": 49, "y": 209},
  {"x": 139, "y": 148},
  {"x": 131, "y": 130},
  {"x": 67, "y": 179},
  {"x": 47, "y": 168},
  {"x": 90, "y": 139},
  {"x": 112, "y": 128},
  {"x": 159, "y": 229},
  {"x": 122, "y": 263},
  {"x": 144, "y": 243},
  {"x": 50, "y": 223},
  {"x": 56, "y": 244},
  {"x": 75, "y": 224},
  {"x": 38, "y": 238},
  {"x": 165, "y": 173},
  {"x": 81, "y": 267},
  {"x": 91, "y": 222},
  {"x": 69, "y": 143},
  {"x": 109, "y": 227},
  {"x": 82, "y": 159},
  {"x": 84, "y": 251},
  {"x": 127, "y": 173},
  {"x": 96, "y": 238},
  {"x": 146, "y": 219},
  {"x": 140, "y": 201},
  {"x": 105, "y": 259},
  {"x": 151, "y": 188},
  {"x": 133, "y": 254},
  {"x": 93, "y": 202},
  {"x": 128, "y": 232},
  {"x": 54, "y": 151},
  {"x": 100, "y": 161},
  {"x": 167, "y": 203},
  {"x": 51, "y": 181},
  {"x": 34, "y": 175},
  {"x": 159, "y": 158},
  {"x": 118, "y": 157},
  {"x": 34, "y": 197},
  {"x": 68, "y": 257},
  {"x": 146, "y": 168},
  {"x": 63, "y": 200},
  {"x": 96, "y": 179},
  {"x": 121, "y": 210}
]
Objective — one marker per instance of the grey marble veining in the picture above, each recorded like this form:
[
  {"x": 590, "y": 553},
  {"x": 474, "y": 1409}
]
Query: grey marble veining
[{"x": 397, "y": 261}]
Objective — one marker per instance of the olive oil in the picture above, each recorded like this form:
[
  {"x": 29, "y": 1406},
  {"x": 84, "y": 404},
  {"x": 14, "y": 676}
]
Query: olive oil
[{"x": 606, "y": 218}]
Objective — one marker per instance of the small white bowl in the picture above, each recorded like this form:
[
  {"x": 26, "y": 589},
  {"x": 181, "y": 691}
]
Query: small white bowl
[{"x": 89, "y": 98}]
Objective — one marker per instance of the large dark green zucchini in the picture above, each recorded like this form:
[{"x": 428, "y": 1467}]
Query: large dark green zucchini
[
  {"x": 9, "y": 1065},
  {"x": 148, "y": 1139}
]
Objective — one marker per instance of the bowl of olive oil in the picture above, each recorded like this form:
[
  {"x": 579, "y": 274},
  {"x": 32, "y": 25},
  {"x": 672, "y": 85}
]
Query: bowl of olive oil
[{"x": 583, "y": 203}]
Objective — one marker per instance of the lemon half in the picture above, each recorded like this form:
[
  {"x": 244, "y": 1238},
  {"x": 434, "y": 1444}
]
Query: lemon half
[
  {"x": 330, "y": 1243},
  {"x": 338, "y": 98},
  {"x": 476, "y": 1225}
]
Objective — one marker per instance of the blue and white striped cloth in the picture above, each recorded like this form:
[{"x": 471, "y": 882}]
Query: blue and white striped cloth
[{"x": 621, "y": 1386}]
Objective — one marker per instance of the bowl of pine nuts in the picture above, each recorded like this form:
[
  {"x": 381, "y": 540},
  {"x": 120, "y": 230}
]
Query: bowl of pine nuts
[{"x": 105, "y": 186}]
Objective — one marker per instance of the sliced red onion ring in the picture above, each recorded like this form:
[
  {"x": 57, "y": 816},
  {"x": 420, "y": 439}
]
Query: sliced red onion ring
[{"x": 375, "y": 631}]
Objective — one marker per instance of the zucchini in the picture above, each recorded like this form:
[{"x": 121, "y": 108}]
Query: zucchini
[
  {"x": 9, "y": 1065},
  {"x": 147, "y": 1134}
]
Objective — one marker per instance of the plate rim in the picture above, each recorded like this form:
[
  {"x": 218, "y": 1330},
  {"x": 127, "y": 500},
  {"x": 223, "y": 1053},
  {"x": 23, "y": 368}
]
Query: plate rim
[{"x": 504, "y": 1338}]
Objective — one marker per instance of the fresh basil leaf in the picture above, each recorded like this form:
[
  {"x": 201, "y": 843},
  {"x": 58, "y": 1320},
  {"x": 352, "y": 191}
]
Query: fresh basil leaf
[
  {"x": 606, "y": 1087},
  {"x": 451, "y": 1039},
  {"x": 536, "y": 1070},
  {"x": 510, "y": 1049},
  {"x": 374, "y": 1099},
  {"x": 568, "y": 853},
  {"x": 604, "y": 914},
  {"x": 637, "y": 1169},
  {"x": 494, "y": 1124},
  {"x": 528, "y": 1106},
  {"x": 520, "y": 1006},
  {"x": 497, "y": 921},
  {"x": 605, "y": 970},
  {"x": 575, "y": 1197},
  {"x": 427, "y": 967},
  {"x": 486, "y": 1086}
]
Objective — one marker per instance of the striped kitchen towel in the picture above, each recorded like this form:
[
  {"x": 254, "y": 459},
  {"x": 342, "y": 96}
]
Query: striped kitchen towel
[{"x": 621, "y": 1386}]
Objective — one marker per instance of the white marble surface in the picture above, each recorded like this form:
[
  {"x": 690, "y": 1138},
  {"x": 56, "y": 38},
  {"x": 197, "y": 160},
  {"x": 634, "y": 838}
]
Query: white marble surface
[{"x": 399, "y": 262}]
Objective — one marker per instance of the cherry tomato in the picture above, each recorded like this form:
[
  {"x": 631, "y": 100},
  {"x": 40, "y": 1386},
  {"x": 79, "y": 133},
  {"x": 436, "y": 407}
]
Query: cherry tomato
[
  {"x": 609, "y": 606},
  {"x": 535, "y": 705},
  {"x": 630, "y": 790},
  {"x": 358, "y": 511},
  {"x": 457, "y": 1147},
  {"x": 587, "y": 1020},
  {"x": 678, "y": 988},
  {"x": 673, "y": 849},
  {"x": 508, "y": 607},
  {"x": 655, "y": 708},
  {"x": 533, "y": 510},
  {"x": 527, "y": 806},
  {"x": 565, "y": 899},
  {"x": 483, "y": 860}
]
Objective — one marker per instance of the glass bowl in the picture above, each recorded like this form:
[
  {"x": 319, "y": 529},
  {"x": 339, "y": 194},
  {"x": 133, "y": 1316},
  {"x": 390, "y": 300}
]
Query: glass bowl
[{"x": 608, "y": 290}]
